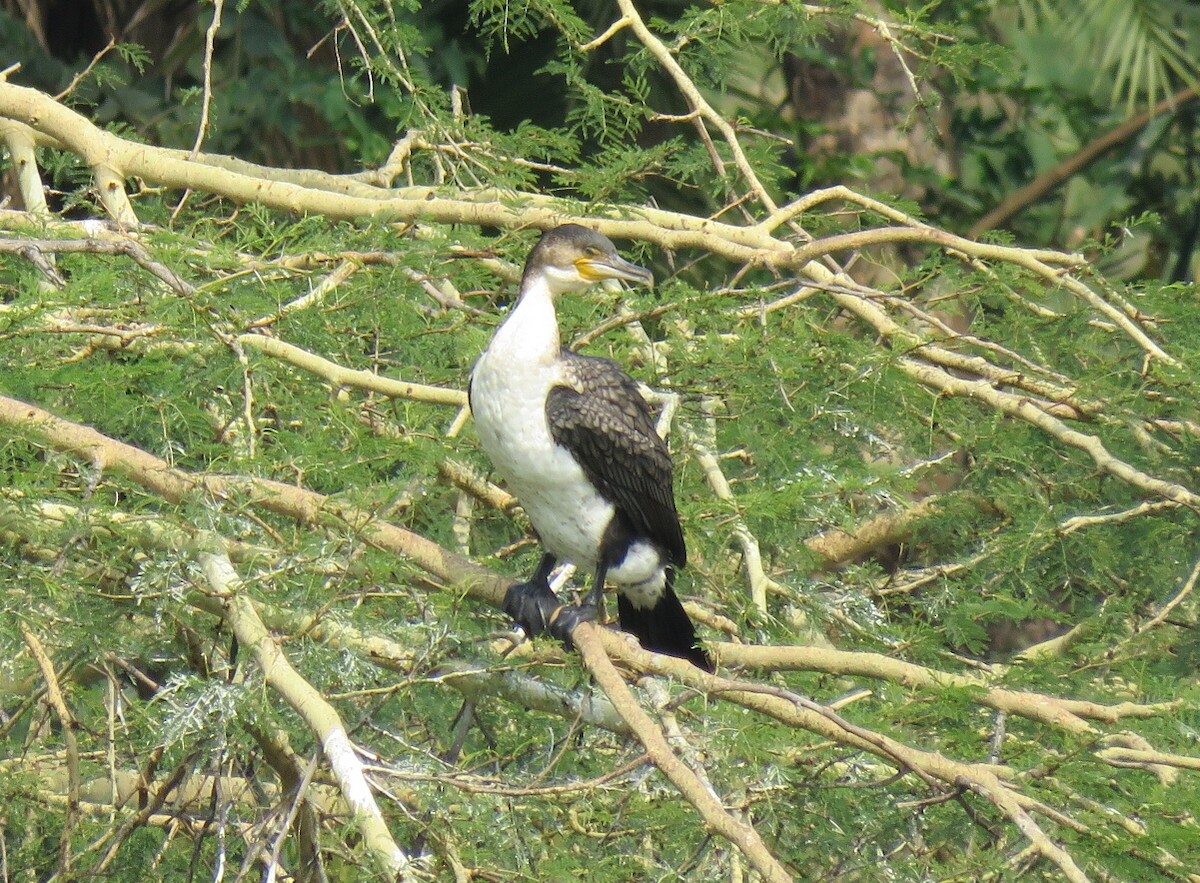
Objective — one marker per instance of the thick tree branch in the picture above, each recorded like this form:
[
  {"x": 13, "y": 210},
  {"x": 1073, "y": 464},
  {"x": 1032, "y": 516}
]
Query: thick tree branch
[
  {"x": 176, "y": 485},
  {"x": 478, "y": 683},
  {"x": 744, "y": 837},
  {"x": 21, "y": 141},
  {"x": 342, "y": 376},
  {"x": 244, "y": 622},
  {"x": 1050, "y": 180},
  {"x": 1052, "y": 267},
  {"x": 1068, "y": 714}
]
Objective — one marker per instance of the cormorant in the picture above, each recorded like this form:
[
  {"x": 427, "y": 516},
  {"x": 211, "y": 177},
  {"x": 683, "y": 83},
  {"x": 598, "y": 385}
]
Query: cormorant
[{"x": 576, "y": 443}]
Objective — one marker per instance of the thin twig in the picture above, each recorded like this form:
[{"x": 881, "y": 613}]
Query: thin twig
[
  {"x": 210, "y": 41},
  {"x": 58, "y": 702},
  {"x": 86, "y": 72},
  {"x": 130, "y": 248}
]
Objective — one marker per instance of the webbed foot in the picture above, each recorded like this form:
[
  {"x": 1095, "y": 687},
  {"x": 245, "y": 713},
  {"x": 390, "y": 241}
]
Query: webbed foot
[
  {"x": 566, "y": 617},
  {"x": 535, "y": 607}
]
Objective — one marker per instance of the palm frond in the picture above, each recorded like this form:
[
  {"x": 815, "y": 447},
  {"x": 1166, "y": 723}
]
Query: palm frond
[{"x": 1147, "y": 46}]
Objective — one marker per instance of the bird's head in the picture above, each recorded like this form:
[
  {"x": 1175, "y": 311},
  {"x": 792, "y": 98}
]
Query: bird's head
[{"x": 572, "y": 258}]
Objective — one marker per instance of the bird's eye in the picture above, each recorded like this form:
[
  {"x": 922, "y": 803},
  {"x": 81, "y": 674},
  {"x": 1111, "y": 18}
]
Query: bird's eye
[{"x": 592, "y": 252}]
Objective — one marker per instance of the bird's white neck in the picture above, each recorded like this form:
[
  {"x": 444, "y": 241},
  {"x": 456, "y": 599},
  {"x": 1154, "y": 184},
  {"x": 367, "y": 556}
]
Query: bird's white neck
[{"x": 530, "y": 333}]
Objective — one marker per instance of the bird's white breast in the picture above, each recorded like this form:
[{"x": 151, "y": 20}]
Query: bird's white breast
[{"x": 508, "y": 398}]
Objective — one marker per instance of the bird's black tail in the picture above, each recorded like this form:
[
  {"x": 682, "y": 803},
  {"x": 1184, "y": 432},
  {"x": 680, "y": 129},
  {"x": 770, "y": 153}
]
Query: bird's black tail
[{"x": 665, "y": 627}]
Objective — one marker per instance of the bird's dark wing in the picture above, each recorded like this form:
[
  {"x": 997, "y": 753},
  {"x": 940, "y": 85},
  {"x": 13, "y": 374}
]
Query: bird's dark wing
[{"x": 602, "y": 419}]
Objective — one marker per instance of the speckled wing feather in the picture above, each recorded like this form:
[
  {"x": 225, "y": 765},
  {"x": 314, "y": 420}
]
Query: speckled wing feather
[{"x": 605, "y": 423}]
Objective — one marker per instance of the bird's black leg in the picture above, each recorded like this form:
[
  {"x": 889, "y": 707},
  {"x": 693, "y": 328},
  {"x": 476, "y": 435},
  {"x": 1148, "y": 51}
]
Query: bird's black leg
[
  {"x": 595, "y": 598},
  {"x": 534, "y": 606},
  {"x": 587, "y": 611},
  {"x": 532, "y": 603},
  {"x": 562, "y": 621}
]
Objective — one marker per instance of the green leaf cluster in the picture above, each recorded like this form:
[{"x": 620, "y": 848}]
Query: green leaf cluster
[{"x": 815, "y": 416}]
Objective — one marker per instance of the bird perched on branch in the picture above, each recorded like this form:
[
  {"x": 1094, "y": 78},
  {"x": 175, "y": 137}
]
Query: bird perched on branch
[{"x": 576, "y": 443}]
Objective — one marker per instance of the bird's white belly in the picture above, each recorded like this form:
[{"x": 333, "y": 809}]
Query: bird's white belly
[{"x": 510, "y": 416}]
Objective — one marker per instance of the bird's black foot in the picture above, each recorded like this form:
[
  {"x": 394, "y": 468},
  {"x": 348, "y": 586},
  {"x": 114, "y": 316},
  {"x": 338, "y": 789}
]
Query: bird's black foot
[
  {"x": 535, "y": 608},
  {"x": 566, "y": 617},
  {"x": 531, "y": 605}
]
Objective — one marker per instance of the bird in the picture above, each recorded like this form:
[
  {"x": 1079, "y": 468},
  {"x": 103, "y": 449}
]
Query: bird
[{"x": 575, "y": 441}]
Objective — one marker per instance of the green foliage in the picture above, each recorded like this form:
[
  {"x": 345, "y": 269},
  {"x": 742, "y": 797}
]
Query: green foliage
[
  {"x": 820, "y": 424},
  {"x": 503, "y": 24},
  {"x": 1144, "y": 46}
]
